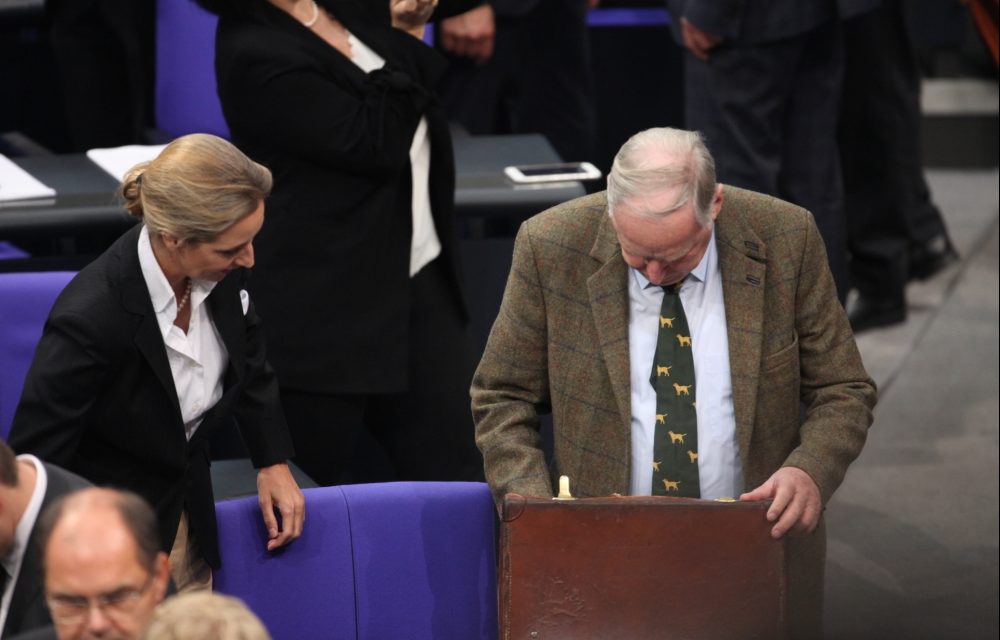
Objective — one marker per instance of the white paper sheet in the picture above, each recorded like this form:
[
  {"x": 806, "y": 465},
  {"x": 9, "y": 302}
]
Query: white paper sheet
[
  {"x": 18, "y": 184},
  {"x": 118, "y": 160}
]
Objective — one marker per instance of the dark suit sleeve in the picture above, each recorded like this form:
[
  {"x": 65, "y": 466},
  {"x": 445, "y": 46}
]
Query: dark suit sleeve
[
  {"x": 514, "y": 7},
  {"x": 69, "y": 369},
  {"x": 837, "y": 393},
  {"x": 718, "y": 17},
  {"x": 511, "y": 382},
  {"x": 449, "y": 8},
  {"x": 277, "y": 96},
  {"x": 258, "y": 411}
]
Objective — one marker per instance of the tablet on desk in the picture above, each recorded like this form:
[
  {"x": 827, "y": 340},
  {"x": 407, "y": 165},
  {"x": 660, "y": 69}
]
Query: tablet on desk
[{"x": 555, "y": 172}]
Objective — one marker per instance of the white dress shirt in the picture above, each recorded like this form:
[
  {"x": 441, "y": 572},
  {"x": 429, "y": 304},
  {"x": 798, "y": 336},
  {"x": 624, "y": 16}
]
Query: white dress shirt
[
  {"x": 719, "y": 468},
  {"x": 22, "y": 535},
  {"x": 197, "y": 358},
  {"x": 424, "y": 242}
]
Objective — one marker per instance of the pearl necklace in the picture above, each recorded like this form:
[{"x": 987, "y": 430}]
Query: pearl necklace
[
  {"x": 315, "y": 16},
  {"x": 185, "y": 298}
]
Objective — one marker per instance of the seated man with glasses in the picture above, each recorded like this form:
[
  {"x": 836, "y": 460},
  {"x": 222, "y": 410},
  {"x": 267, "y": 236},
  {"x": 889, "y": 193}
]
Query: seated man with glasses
[{"x": 104, "y": 570}]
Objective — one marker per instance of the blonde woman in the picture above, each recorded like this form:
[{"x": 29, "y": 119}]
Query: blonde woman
[{"x": 155, "y": 345}]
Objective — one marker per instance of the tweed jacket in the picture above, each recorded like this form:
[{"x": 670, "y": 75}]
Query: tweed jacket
[{"x": 561, "y": 341}]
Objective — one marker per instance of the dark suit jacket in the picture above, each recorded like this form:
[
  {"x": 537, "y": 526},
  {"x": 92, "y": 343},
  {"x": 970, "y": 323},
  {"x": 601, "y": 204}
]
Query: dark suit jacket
[
  {"x": 27, "y": 604},
  {"x": 99, "y": 398},
  {"x": 41, "y": 633},
  {"x": 561, "y": 341},
  {"x": 762, "y": 20},
  {"x": 332, "y": 272}
]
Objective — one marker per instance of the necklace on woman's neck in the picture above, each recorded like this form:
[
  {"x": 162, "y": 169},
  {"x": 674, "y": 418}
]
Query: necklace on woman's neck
[
  {"x": 315, "y": 16},
  {"x": 185, "y": 297}
]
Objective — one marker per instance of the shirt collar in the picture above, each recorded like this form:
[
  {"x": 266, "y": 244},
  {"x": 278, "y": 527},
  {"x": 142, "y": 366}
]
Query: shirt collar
[
  {"x": 161, "y": 294},
  {"x": 22, "y": 534}
]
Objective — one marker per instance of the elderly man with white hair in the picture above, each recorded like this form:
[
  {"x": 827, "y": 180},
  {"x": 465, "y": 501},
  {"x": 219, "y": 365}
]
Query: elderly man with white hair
[{"x": 674, "y": 326}]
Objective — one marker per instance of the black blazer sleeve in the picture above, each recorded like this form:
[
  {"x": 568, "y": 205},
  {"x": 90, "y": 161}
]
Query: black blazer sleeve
[
  {"x": 299, "y": 96},
  {"x": 71, "y": 366}
]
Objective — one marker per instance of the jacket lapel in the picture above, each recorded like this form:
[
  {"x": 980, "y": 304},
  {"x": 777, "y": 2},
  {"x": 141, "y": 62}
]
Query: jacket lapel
[
  {"x": 135, "y": 300},
  {"x": 742, "y": 265},
  {"x": 608, "y": 289},
  {"x": 227, "y": 314}
]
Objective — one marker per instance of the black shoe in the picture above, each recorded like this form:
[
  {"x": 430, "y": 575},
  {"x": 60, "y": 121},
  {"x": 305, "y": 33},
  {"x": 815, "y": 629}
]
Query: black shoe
[
  {"x": 869, "y": 313},
  {"x": 930, "y": 259}
]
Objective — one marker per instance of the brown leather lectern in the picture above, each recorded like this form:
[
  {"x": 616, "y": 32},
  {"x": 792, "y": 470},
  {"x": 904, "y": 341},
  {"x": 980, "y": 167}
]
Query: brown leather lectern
[{"x": 639, "y": 567}]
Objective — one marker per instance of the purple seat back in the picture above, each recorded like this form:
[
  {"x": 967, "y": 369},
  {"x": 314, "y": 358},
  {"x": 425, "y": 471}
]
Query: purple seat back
[
  {"x": 304, "y": 590},
  {"x": 25, "y": 302},
  {"x": 424, "y": 560},
  {"x": 186, "y": 97},
  {"x": 411, "y": 560}
]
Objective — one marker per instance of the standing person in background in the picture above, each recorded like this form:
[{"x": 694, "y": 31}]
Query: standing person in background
[
  {"x": 762, "y": 82},
  {"x": 894, "y": 231},
  {"x": 155, "y": 346},
  {"x": 532, "y": 76},
  {"x": 105, "y": 56},
  {"x": 358, "y": 264}
]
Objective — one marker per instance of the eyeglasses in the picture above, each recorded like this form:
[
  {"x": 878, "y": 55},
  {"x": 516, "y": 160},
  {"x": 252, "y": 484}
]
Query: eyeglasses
[{"x": 69, "y": 609}]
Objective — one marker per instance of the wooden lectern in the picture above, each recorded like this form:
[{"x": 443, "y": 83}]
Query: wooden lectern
[{"x": 633, "y": 568}]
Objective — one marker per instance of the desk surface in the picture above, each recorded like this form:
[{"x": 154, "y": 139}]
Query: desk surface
[{"x": 86, "y": 201}]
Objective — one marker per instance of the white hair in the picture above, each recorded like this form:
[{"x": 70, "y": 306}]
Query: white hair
[{"x": 664, "y": 158}]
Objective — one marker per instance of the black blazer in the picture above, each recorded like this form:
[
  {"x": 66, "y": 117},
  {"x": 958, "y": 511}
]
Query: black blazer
[
  {"x": 28, "y": 609},
  {"x": 332, "y": 272},
  {"x": 99, "y": 398}
]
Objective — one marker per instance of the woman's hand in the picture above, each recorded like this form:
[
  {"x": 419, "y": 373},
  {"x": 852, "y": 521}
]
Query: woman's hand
[{"x": 277, "y": 489}]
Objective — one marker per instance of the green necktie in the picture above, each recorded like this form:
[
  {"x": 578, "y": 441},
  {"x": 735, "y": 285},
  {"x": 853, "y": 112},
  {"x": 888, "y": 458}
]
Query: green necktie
[{"x": 675, "y": 442}]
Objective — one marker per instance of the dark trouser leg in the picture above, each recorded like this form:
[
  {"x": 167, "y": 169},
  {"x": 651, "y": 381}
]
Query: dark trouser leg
[
  {"x": 810, "y": 170},
  {"x": 878, "y": 154},
  {"x": 325, "y": 430},
  {"x": 538, "y": 80},
  {"x": 427, "y": 432},
  {"x": 768, "y": 113},
  {"x": 556, "y": 96}
]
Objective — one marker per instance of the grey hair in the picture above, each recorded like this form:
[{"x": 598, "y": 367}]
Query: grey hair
[
  {"x": 664, "y": 158},
  {"x": 197, "y": 187}
]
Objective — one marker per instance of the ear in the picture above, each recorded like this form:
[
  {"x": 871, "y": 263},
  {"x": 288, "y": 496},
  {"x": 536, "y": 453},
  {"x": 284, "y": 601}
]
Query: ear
[
  {"x": 716, "y": 202},
  {"x": 161, "y": 575},
  {"x": 170, "y": 242}
]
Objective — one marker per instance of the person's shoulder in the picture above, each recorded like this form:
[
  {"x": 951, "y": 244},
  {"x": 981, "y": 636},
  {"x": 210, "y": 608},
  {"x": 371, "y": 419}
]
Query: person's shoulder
[
  {"x": 573, "y": 220},
  {"x": 40, "y": 633},
  {"x": 256, "y": 33},
  {"x": 767, "y": 216},
  {"x": 95, "y": 285},
  {"x": 61, "y": 481}
]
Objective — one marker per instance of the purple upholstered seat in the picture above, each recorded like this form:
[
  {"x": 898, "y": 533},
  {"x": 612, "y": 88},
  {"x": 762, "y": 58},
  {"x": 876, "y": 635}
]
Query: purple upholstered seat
[
  {"x": 424, "y": 560},
  {"x": 412, "y": 560},
  {"x": 186, "y": 98},
  {"x": 25, "y": 302},
  {"x": 304, "y": 590}
]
